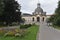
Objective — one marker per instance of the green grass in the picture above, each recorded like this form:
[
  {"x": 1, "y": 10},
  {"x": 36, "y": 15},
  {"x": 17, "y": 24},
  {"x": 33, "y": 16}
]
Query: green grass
[{"x": 31, "y": 35}]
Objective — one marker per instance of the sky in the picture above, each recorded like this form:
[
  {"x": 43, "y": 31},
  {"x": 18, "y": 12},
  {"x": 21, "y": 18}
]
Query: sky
[{"x": 29, "y": 6}]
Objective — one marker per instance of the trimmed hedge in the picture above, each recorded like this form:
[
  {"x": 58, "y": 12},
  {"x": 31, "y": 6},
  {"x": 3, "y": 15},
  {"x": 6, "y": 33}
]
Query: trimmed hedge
[{"x": 25, "y": 26}]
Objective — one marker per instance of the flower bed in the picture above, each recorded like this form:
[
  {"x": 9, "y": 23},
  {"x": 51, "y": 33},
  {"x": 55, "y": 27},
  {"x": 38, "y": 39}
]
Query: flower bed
[{"x": 26, "y": 34}]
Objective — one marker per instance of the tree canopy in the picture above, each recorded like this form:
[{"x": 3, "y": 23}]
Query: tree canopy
[
  {"x": 11, "y": 12},
  {"x": 56, "y": 18}
]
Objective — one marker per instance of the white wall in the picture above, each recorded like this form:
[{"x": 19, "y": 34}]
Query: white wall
[{"x": 30, "y": 18}]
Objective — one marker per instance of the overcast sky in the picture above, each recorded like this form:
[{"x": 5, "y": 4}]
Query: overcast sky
[{"x": 28, "y": 6}]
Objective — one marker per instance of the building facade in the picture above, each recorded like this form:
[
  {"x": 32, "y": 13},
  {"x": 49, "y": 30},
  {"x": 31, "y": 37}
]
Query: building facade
[{"x": 37, "y": 16}]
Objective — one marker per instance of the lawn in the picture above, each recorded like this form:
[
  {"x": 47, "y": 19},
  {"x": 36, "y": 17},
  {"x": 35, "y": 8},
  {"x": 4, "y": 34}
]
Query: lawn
[{"x": 31, "y": 35}]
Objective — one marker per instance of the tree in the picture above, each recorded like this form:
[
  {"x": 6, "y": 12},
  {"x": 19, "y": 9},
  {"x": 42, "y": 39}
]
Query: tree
[
  {"x": 56, "y": 20},
  {"x": 1, "y": 7},
  {"x": 11, "y": 12},
  {"x": 1, "y": 11}
]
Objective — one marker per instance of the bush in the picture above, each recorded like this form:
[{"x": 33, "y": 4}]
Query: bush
[
  {"x": 2, "y": 32},
  {"x": 56, "y": 21},
  {"x": 25, "y": 26},
  {"x": 33, "y": 24},
  {"x": 16, "y": 32},
  {"x": 17, "y": 35},
  {"x": 23, "y": 32},
  {"x": 10, "y": 33}
]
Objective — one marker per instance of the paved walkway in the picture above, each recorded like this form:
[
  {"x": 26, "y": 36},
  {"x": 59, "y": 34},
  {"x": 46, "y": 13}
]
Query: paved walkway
[{"x": 48, "y": 33}]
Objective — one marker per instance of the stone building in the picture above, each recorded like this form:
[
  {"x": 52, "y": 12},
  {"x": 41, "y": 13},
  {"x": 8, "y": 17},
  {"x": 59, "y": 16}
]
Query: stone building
[{"x": 37, "y": 16}]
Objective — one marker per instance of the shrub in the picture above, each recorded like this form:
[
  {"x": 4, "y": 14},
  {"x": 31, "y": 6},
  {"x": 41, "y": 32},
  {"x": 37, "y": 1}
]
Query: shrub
[
  {"x": 25, "y": 26},
  {"x": 57, "y": 21},
  {"x": 23, "y": 32},
  {"x": 2, "y": 32},
  {"x": 17, "y": 30},
  {"x": 16, "y": 33},
  {"x": 10, "y": 33},
  {"x": 33, "y": 24}
]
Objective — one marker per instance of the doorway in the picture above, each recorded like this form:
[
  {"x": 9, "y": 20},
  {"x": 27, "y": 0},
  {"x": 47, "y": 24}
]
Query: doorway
[
  {"x": 33, "y": 19},
  {"x": 43, "y": 19},
  {"x": 38, "y": 19}
]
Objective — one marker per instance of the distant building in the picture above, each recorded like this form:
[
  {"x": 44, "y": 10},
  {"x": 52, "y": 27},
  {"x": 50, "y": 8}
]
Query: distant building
[{"x": 37, "y": 16}]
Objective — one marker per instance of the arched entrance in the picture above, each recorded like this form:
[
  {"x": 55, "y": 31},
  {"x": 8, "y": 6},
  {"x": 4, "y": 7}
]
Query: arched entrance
[
  {"x": 33, "y": 19},
  {"x": 38, "y": 19},
  {"x": 43, "y": 19}
]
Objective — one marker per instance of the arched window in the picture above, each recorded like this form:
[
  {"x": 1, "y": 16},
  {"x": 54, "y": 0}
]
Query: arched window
[{"x": 33, "y": 19}]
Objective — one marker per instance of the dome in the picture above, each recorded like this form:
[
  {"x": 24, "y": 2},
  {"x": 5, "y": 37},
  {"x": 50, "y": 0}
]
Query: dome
[{"x": 38, "y": 9}]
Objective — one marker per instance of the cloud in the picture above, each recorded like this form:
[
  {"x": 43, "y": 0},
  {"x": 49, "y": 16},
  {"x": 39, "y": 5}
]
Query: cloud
[{"x": 47, "y": 5}]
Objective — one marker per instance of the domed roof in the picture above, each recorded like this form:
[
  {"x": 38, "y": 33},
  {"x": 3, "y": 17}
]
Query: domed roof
[{"x": 38, "y": 9}]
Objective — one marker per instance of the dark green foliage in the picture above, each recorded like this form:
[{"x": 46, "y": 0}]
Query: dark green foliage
[
  {"x": 51, "y": 19},
  {"x": 11, "y": 12},
  {"x": 11, "y": 15},
  {"x": 1, "y": 11},
  {"x": 57, "y": 21},
  {"x": 58, "y": 9},
  {"x": 25, "y": 26},
  {"x": 1, "y": 7},
  {"x": 56, "y": 18}
]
